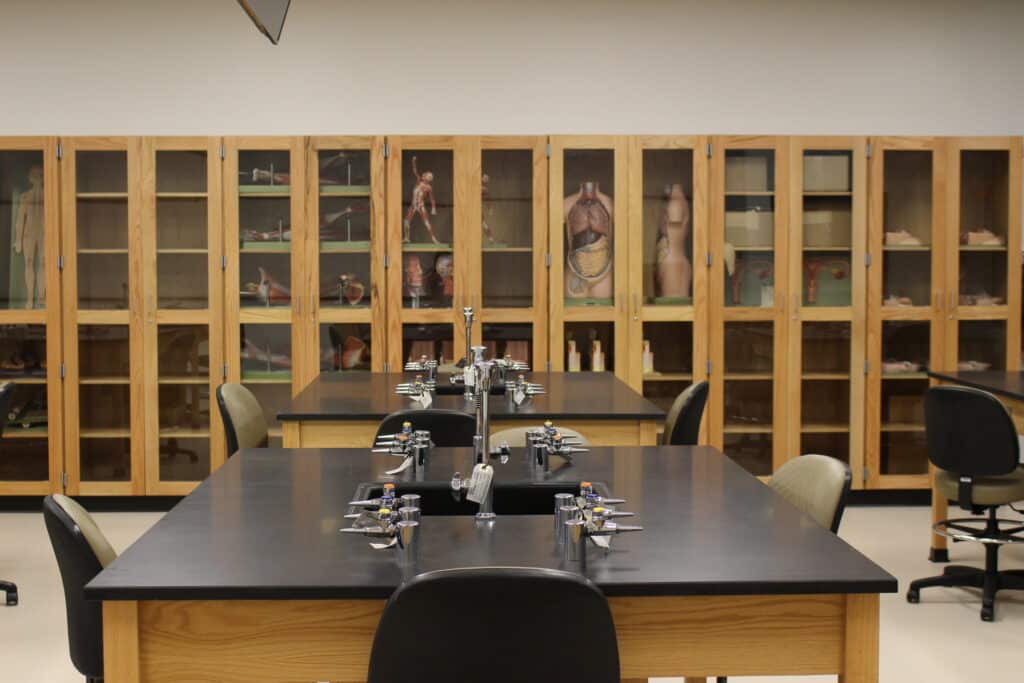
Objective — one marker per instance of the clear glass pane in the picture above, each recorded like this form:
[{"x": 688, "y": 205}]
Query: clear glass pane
[
  {"x": 982, "y": 345},
  {"x": 428, "y": 221},
  {"x": 906, "y": 348},
  {"x": 590, "y": 347},
  {"x": 26, "y": 424},
  {"x": 344, "y": 230},
  {"x": 748, "y": 394},
  {"x": 589, "y": 214},
  {"x": 266, "y": 353},
  {"x": 507, "y": 226},
  {"x": 435, "y": 341},
  {"x": 265, "y": 231},
  {"x": 23, "y": 227},
  {"x": 827, "y": 227},
  {"x": 749, "y": 228},
  {"x": 667, "y": 361},
  {"x": 345, "y": 280},
  {"x": 183, "y": 458},
  {"x": 668, "y": 229},
  {"x": 825, "y": 386},
  {"x": 103, "y": 353},
  {"x": 345, "y": 347},
  {"x": 105, "y": 458},
  {"x": 23, "y": 353},
  {"x": 903, "y": 446},
  {"x": 509, "y": 339},
  {"x": 25, "y": 459},
  {"x": 102, "y": 229},
  {"x": 832, "y": 444},
  {"x": 984, "y": 223},
  {"x": 907, "y": 209},
  {"x": 104, "y": 410},
  {"x": 904, "y": 452},
  {"x": 181, "y": 223},
  {"x": 184, "y": 402},
  {"x": 344, "y": 172}
]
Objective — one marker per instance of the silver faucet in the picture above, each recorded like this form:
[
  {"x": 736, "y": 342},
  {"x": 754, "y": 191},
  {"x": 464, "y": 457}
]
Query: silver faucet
[
  {"x": 478, "y": 488},
  {"x": 595, "y": 524},
  {"x": 467, "y": 315}
]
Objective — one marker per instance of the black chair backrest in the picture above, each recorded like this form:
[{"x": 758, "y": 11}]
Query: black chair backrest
[
  {"x": 682, "y": 424},
  {"x": 969, "y": 432},
  {"x": 449, "y": 428},
  {"x": 78, "y": 564},
  {"x": 496, "y": 625},
  {"x": 6, "y": 397}
]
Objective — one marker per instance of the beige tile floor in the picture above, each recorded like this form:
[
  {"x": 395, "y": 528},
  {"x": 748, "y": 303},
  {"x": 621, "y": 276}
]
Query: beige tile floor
[{"x": 941, "y": 640}]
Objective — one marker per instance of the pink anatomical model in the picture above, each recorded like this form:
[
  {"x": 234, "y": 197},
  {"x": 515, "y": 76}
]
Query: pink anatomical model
[
  {"x": 251, "y": 352},
  {"x": 588, "y": 226},
  {"x": 414, "y": 279},
  {"x": 487, "y": 209},
  {"x": 840, "y": 271},
  {"x": 283, "y": 233},
  {"x": 351, "y": 289},
  {"x": 422, "y": 191},
  {"x": 269, "y": 176},
  {"x": 444, "y": 266},
  {"x": 673, "y": 275},
  {"x": 268, "y": 290}
]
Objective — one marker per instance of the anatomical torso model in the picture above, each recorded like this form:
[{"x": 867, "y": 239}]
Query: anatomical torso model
[
  {"x": 29, "y": 230},
  {"x": 674, "y": 272},
  {"x": 422, "y": 191},
  {"x": 589, "y": 226}
]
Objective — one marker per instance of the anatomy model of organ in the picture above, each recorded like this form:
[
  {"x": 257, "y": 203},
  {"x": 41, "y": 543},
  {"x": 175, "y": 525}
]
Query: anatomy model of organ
[
  {"x": 268, "y": 291},
  {"x": 589, "y": 225},
  {"x": 674, "y": 271},
  {"x": 422, "y": 192},
  {"x": 839, "y": 268}
]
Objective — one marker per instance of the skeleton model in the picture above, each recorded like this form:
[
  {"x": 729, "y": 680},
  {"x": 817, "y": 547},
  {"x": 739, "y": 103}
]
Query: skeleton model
[
  {"x": 421, "y": 192},
  {"x": 267, "y": 291},
  {"x": 588, "y": 224},
  {"x": 29, "y": 235},
  {"x": 486, "y": 208},
  {"x": 672, "y": 278}
]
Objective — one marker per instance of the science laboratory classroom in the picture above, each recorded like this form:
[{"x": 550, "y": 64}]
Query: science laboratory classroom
[{"x": 496, "y": 342}]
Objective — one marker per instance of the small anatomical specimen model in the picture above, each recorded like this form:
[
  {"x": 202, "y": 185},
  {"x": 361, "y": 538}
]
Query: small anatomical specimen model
[
  {"x": 982, "y": 237},
  {"x": 596, "y": 356},
  {"x": 897, "y": 301},
  {"x": 444, "y": 266},
  {"x": 414, "y": 279},
  {"x": 336, "y": 226},
  {"x": 332, "y": 166},
  {"x": 736, "y": 269},
  {"x": 487, "y": 208},
  {"x": 589, "y": 226},
  {"x": 283, "y": 233},
  {"x": 29, "y": 236},
  {"x": 673, "y": 275},
  {"x": 251, "y": 352},
  {"x": 573, "y": 364},
  {"x": 839, "y": 268},
  {"x": 348, "y": 355},
  {"x": 422, "y": 191},
  {"x": 901, "y": 238},
  {"x": 266, "y": 176},
  {"x": 267, "y": 291},
  {"x": 647, "y": 360},
  {"x": 350, "y": 289}
]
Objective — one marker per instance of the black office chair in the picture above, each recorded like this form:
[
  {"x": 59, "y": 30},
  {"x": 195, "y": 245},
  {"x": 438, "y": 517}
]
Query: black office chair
[
  {"x": 82, "y": 552},
  {"x": 474, "y": 625},
  {"x": 446, "y": 427},
  {"x": 973, "y": 442},
  {"x": 9, "y": 588},
  {"x": 682, "y": 425}
]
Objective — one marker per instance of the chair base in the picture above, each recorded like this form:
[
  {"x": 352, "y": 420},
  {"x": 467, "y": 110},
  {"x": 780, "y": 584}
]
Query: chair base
[
  {"x": 938, "y": 555},
  {"x": 12, "y": 592},
  {"x": 989, "y": 580}
]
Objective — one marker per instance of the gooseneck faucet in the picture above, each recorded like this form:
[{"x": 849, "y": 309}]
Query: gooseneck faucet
[{"x": 467, "y": 315}]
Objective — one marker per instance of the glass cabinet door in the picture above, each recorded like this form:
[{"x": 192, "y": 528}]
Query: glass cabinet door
[
  {"x": 346, "y": 264},
  {"x": 30, "y": 322},
  {"x": 429, "y": 218},
  {"x": 985, "y": 180},
  {"x": 749, "y": 181},
  {"x": 668, "y": 230},
  {"x": 589, "y": 260},
  {"x": 509, "y": 279},
  {"x": 182, "y": 233},
  {"x": 103, "y": 290},
  {"x": 828, "y": 303},
  {"x": 267, "y": 326},
  {"x": 905, "y": 305}
]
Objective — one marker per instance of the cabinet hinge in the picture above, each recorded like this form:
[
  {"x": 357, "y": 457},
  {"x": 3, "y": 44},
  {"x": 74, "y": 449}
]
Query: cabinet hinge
[
  {"x": 867, "y": 150},
  {"x": 710, "y": 149},
  {"x": 387, "y": 366},
  {"x": 387, "y": 261},
  {"x": 547, "y": 150},
  {"x": 708, "y": 366},
  {"x": 62, "y": 371},
  {"x": 547, "y": 259},
  {"x": 864, "y": 474},
  {"x": 60, "y": 151},
  {"x": 224, "y": 262},
  {"x": 867, "y": 366},
  {"x": 60, "y": 262},
  {"x": 64, "y": 480},
  {"x": 223, "y": 152},
  {"x": 708, "y": 259},
  {"x": 867, "y": 260},
  {"x": 547, "y": 366},
  {"x": 387, "y": 150},
  {"x": 224, "y": 371}
]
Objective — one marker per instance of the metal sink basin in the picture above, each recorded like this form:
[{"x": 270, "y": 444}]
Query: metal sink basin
[{"x": 509, "y": 499}]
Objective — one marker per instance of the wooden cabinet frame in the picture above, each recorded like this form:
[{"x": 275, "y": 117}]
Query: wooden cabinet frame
[
  {"x": 376, "y": 314},
  {"x": 51, "y": 317},
  {"x": 559, "y": 313}
]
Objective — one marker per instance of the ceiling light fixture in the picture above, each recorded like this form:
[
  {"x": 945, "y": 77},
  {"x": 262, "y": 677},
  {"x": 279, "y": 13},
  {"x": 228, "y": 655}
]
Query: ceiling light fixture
[{"x": 268, "y": 15}]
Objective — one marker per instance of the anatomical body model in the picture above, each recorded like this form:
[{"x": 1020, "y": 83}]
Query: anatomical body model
[
  {"x": 486, "y": 208},
  {"x": 444, "y": 267},
  {"x": 332, "y": 166},
  {"x": 589, "y": 226},
  {"x": 29, "y": 235},
  {"x": 251, "y": 352},
  {"x": 414, "y": 281},
  {"x": 267, "y": 176},
  {"x": 736, "y": 269},
  {"x": 283, "y": 233},
  {"x": 674, "y": 272},
  {"x": 350, "y": 289},
  {"x": 348, "y": 355},
  {"x": 422, "y": 191},
  {"x": 335, "y": 226},
  {"x": 267, "y": 291},
  {"x": 839, "y": 268}
]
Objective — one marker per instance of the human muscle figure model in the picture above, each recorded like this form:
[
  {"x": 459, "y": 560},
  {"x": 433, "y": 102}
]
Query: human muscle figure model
[
  {"x": 486, "y": 207},
  {"x": 422, "y": 191},
  {"x": 588, "y": 224},
  {"x": 29, "y": 231}
]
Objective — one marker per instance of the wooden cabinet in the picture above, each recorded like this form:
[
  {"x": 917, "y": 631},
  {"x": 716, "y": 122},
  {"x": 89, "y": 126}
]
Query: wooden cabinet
[
  {"x": 266, "y": 308},
  {"x": 589, "y": 243},
  {"x": 749, "y": 406},
  {"x": 30, "y": 315},
  {"x": 667, "y": 306}
]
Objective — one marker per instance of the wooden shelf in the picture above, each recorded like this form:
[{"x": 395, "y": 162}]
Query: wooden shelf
[
  {"x": 101, "y": 195},
  {"x": 181, "y": 195},
  {"x": 22, "y": 380},
  {"x": 344, "y": 190},
  {"x": 354, "y": 247},
  {"x": 183, "y": 433},
  {"x": 183, "y": 250},
  {"x": 907, "y": 247},
  {"x": 184, "y": 379},
  {"x": 508, "y": 250},
  {"x": 846, "y": 248},
  {"x": 421, "y": 247},
  {"x": 104, "y": 379},
  {"x": 105, "y": 433},
  {"x": 758, "y": 248},
  {"x": 752, "y": 193},
  {"x": 824, "y": 428},
  {"x": 266, "y": 378},
  {"x": 982, "y": 247},
  {"x": 748, "y": 376},
  {"x": 93, "y": 252},
  {"x": 826, "y": 375},
  {"x": 747, "y": 429},
  {"x": 902, "y": 427},
  {"x": 668, "y": 377},
  {"x": 271, "y": 248},
  {"x": 905, "y": 375},
  {"x": 836, "y": 193},
  {"x": 23, "y": 433},
  {"x": 269, "y": 191}
]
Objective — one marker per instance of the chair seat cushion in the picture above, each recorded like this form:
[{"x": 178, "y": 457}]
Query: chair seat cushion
[{"x": 1001, "y": 490}]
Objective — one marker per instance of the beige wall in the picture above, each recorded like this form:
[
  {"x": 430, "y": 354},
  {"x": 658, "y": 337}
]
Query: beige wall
[{"x": 465, "y": 66}]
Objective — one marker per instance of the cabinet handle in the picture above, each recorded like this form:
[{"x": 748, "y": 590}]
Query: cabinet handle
[
  {"x": 636, "y": 307},
  {"x": 298, "y": 306},
  {"x": 952, "y": 304},
  {"x": 937, "y": 298},
  {"x": 312, "y": 308},
  {"x": 796, "y": 306}
]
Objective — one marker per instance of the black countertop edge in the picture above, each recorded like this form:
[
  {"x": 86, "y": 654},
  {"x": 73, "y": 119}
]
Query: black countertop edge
[
  {"x": 503, "y": 417},
  {"x": 979, "y": 382},
  {"x": 379, "y": 593}
]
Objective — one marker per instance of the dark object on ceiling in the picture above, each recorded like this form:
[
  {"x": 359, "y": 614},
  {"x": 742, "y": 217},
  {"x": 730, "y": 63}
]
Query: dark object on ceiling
[{"x": 268, "y": 15}]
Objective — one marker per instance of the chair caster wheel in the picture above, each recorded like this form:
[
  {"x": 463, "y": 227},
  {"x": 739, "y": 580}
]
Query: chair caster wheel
[
  {"x": 12, "y": 599},
  {"x": 913, "y": 596},
  {"x": 988, "y": 614}
]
